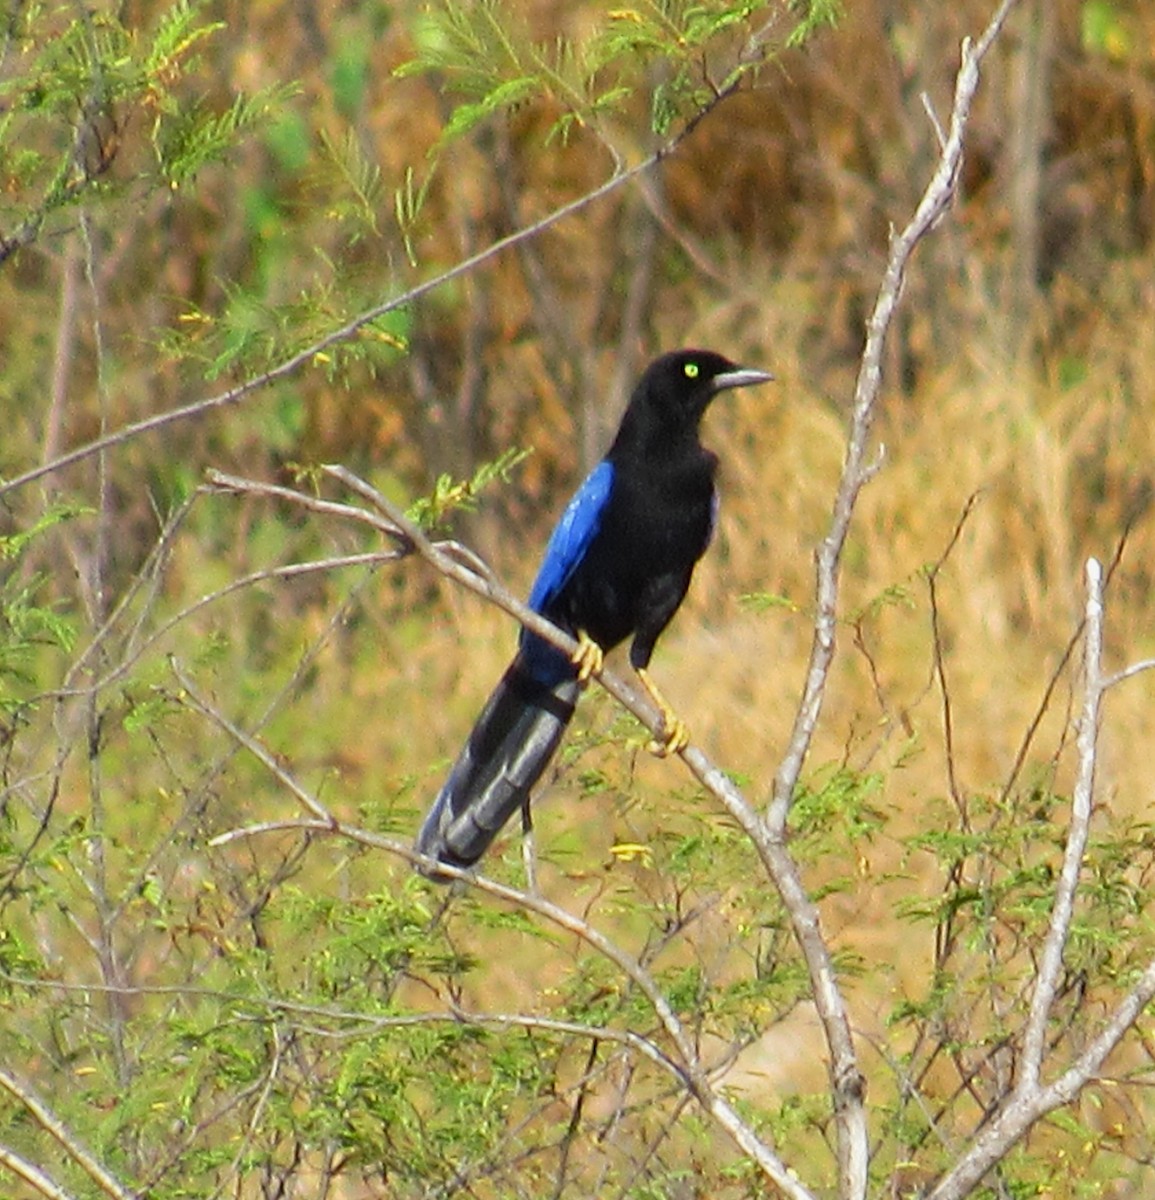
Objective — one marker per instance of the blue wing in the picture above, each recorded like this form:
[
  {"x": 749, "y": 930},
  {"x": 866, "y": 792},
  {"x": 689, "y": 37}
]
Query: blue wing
[
  {"x": 566, "y": 548},
  {"x": 572, "y": 536}
]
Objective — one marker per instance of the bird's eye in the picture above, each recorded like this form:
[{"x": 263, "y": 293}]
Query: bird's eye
[{"x": 691, "y": 369}]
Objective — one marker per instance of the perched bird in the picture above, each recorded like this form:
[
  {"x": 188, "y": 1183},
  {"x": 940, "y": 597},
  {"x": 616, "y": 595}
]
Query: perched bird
[{"x": 618, "y": 564}]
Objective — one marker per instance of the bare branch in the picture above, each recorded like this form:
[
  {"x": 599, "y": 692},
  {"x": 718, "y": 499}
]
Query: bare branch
[
  {"x": 855, "y": 473},
  {"x": 218, "y": 481},
  {"x": 29, "y": 1172},
  {"x": 1031, "y": 1099},
  {"x": 372, "y": 558},
  {"x": 928, "y": 108},
  {"x": 1051, "y": 964},
  {"x": 52, "y": 1125},
  {"x": 846, "y": 1078}
]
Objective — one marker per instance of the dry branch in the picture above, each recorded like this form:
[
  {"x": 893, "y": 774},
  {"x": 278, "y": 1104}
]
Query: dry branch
[{"x": 1032, "y": 1098}]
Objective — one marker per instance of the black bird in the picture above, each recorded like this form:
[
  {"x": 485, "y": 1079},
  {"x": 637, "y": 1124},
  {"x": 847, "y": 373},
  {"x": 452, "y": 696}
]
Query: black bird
[{"x": 618, "y": 564}]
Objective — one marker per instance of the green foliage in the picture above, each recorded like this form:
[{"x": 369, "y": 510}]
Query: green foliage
[
  {"x": 760, "y": 602},
  {"x": 408, "y": 202},
  {"x": 29, "y": 624},
  {"x": 449, "y": 494},
  {"x": 349, "y": 75},
  {"x": 86, "y": 82},
  {"x": 998, "y": 860},
  {"x": 191, "y": 136},
  {"x": 327, "y": 1012},
  {"x": 1105, "y": 30},
  {"x": 252, "y": 333},
  {"x": 839, "y": 799},
  {"x": 361, "y": 196},
  {"x": 177, "y": 32},
  {"x": 484, "y": 53},
  {"x": 216, "y": 1010},
  {"x": 898, "y": 595}
]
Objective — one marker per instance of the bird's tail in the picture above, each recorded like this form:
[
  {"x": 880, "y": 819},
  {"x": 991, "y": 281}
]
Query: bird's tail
[{"x": 510, "y": 746}]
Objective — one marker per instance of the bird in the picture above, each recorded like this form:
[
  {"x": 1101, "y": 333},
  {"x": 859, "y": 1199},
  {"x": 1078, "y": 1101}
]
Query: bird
[{"x": 617, "y": 566}]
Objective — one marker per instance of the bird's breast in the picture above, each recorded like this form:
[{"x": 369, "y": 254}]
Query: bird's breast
[{"x": 663, "y": 525}]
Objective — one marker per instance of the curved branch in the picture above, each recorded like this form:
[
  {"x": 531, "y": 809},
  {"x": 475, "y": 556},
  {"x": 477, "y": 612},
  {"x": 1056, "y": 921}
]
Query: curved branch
[{"x": 857, "y": 470}]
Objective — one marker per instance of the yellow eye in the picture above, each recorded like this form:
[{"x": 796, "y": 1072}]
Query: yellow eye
[{"x": 691, "y": 369}]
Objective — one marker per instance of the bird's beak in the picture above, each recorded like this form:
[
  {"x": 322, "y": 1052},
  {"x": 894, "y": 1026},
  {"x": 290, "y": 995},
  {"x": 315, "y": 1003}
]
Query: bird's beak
[{"x": 740, "y": 377}]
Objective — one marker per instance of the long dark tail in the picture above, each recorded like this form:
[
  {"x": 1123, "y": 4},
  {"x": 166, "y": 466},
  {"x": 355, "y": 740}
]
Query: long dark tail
[{"x": 510, "y": 746}]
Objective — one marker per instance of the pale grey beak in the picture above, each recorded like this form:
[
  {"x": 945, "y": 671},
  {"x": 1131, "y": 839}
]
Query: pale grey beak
[{"x": 740, "y": 377}]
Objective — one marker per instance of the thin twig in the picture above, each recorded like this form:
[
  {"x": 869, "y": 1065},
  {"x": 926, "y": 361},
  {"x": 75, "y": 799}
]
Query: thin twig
[
  {"x": 322, "y": 566},
  {"x": 252, "y": 1126},
  {"x": 1136, "y": 668},
  {"x": 362, "y": 1021},
  {"x": 1138, "y": 510},
  {"x": 263, "y": 756},
  {"x": 940, "y": 663}
]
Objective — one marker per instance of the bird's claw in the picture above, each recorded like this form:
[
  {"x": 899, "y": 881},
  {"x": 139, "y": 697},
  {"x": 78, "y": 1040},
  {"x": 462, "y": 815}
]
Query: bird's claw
[
  {"x": 674, "y": 736},
  {"x": 673, "y": 733},
  {"x": 588, "y": 657}
]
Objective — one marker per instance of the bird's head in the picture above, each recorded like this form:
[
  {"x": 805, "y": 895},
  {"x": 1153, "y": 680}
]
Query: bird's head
[{"x": 675, "y": 389}]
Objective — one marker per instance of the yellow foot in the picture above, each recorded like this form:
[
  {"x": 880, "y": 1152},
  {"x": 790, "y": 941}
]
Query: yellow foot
[
  {"x": 588, "y": 657},
  {"x": 674, "y": 735}
]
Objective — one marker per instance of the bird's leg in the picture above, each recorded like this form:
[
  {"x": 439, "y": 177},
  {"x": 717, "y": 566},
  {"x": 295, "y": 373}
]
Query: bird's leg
[
  {"x": 674, "y": 735},
  {"x": 588, "y": 657}
]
